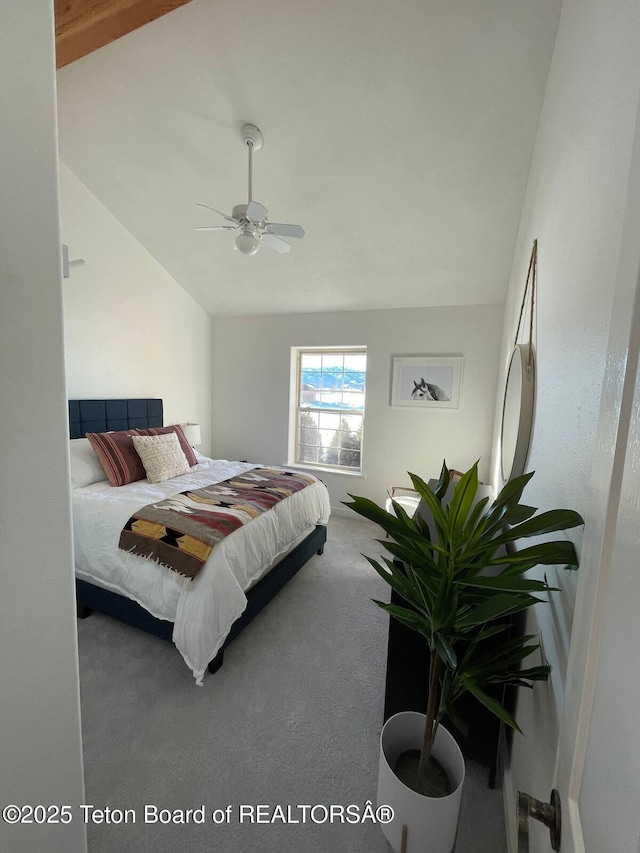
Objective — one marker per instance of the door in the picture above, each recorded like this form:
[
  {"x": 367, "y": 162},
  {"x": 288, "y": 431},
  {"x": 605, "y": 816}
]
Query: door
[{"x": 599, "y": 744}]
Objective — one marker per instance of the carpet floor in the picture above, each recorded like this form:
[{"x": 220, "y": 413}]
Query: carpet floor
[{"x": 292, "y": 718}]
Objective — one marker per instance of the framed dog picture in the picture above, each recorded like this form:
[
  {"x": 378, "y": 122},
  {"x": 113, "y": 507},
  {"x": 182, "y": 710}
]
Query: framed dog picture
[{"x": 424, "y": 381}]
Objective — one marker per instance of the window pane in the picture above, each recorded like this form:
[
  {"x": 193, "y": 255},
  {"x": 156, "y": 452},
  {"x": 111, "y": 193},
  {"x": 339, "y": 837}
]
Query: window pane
[
  {"x": 332, "y": 360},
  {"x": 353, "y": 400},
  {"x": 309, "y": 396},
  {"x": 350, "y": 458},
  {"x": 308, "y": 435},
  {"x": 310, "y": 361},
  {"x": 349, "y": 440},
  {"x": 330, "y": 456},
  {"x": 333, "y": 379},
  {"x": 356, "y": 363},
  {"x": 308, "y": 419},
  {"x": 328, "y": 436},
  {"x": 308, "y": 454},
  {"x": 328, "y": 420},
  {"x": 352, "y": 422},
  {"x": 331, "y": 399},
  {"x": 314, "y": 402}
]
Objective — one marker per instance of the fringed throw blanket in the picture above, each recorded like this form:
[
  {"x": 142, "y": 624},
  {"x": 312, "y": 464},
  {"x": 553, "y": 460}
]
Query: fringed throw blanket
[{"x": 180, "y": 531}]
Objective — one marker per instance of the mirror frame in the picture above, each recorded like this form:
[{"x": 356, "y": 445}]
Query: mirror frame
[{"x": 519, "y": 362}]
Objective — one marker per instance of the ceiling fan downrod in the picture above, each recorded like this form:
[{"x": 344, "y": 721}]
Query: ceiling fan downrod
[{"x": 253, "y": 140}]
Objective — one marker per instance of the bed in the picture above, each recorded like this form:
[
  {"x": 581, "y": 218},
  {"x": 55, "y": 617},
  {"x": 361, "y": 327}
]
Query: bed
[{"x": 242, "y": 574}]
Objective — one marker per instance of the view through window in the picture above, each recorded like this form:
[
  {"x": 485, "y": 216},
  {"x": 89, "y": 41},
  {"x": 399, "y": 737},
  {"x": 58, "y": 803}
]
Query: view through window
[{"x": 330, "y": 407}]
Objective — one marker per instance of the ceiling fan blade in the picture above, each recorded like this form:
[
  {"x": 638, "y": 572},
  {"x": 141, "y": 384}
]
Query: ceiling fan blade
[
  {"x": 285, "y": 230},
  {"x": 275, "y": 243},
  {"x": 256, "y": 212},
  {"x": 216, "y": 228},
  {"x": 219, "y": 212}
]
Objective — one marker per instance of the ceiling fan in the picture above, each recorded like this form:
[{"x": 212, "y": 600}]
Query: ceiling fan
[{"x": 251, "y": 218}]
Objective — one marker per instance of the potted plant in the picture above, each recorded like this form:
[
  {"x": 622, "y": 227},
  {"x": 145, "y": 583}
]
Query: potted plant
[{"x": 453, "y": 567}]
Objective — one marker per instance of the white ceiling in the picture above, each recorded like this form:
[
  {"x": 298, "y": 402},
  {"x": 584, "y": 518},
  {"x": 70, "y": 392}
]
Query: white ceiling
[{"x": 397, "y": 132}]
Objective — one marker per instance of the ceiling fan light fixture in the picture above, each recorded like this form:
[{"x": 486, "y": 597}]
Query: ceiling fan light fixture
[{"x": 247, "y": 243}]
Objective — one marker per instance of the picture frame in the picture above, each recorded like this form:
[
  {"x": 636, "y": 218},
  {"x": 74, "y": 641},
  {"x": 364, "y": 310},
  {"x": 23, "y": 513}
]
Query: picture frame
[{"x": 426, "y": 382}]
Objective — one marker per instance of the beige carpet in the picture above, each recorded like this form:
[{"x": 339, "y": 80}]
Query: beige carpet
[{"x": 292, "y": 718}]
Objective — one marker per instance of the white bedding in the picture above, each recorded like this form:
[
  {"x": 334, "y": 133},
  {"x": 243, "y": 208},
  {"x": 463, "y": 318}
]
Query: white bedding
[{"x": 203, "y": 609}]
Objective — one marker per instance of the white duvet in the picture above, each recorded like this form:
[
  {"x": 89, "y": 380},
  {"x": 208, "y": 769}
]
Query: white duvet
[{"x": 204, "y": 609}]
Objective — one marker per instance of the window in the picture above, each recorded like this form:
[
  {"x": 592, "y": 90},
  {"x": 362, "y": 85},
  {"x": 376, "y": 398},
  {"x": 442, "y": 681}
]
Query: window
[{"x": 329, "y": 407}]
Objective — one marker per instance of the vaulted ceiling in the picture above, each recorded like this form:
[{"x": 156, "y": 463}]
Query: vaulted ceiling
[{"x": 398, "y": 134}]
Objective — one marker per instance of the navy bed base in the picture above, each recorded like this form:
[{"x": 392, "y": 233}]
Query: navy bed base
[{"x": 103, "y": 415}]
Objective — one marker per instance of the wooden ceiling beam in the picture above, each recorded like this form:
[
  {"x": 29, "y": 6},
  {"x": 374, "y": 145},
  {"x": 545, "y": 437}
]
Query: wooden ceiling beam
[{"x": 83, "y": 26}]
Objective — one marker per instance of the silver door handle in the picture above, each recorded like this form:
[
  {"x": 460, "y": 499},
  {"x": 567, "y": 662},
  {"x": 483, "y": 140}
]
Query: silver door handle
[{"x": 550, "y": 814}]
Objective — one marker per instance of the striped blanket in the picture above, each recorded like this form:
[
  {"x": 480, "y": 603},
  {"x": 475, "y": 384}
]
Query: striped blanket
[{"x": 181, "y": 531}]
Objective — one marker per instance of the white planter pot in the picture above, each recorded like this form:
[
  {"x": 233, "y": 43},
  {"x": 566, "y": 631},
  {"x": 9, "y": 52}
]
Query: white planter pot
[{"x": 431, "y": 821}]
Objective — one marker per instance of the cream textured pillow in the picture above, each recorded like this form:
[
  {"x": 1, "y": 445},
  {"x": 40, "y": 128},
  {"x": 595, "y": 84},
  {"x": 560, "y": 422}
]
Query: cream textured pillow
[{"x": 162, "y": 456}]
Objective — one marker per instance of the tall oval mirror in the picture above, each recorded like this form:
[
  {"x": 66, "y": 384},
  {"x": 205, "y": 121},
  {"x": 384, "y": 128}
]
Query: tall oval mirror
[{"x": 517, "y": 412}]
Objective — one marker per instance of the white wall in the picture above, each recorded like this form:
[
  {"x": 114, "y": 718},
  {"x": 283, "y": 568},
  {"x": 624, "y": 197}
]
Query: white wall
[
  {"x": 40, "y": 744},
  {"x": 130, "y": 329},
  {"x": 251, "y": 357},
  {"x": 574, "y": 205}
]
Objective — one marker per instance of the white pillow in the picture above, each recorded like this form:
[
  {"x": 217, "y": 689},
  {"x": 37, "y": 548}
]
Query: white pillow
[
  {"x": 85, "y": 467},
  {"x": 162, "y": 456}
]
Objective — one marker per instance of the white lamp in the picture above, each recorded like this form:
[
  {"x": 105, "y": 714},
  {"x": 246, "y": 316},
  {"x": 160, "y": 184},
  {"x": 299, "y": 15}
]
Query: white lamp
[
  {"x": 247, "y": 243},
  {"x": 192, "y": 433}
]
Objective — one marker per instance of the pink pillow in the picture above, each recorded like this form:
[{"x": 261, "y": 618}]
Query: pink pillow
[
  {"x": 118, "y": 456},
  {"x": 184, "y": 444}
]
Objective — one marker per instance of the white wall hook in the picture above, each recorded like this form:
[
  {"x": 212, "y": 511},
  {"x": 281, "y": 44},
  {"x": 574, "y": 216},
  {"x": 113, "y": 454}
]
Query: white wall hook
[{"x": 67, "y": 264}]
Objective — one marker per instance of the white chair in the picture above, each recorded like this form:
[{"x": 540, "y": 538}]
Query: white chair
[{"x": 408, "y": 501}]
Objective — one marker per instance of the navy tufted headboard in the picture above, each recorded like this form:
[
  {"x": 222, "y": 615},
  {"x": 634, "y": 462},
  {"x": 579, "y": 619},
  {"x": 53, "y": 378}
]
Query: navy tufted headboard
[{"x": 105, "y": 415}]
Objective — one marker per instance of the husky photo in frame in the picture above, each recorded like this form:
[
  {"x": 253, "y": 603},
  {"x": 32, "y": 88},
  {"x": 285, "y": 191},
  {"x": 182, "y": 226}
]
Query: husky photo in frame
[{"x": 421, "y": 381}]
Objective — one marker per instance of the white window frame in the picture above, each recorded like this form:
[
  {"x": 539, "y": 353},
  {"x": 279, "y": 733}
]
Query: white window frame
[{"x": 296, "y": 408}]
